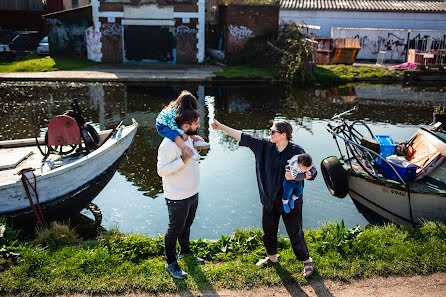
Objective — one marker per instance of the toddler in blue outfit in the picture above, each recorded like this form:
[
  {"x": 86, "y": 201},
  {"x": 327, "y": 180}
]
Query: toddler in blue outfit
[
  {"x": 167, "y": 127},
  {"x": 301, "y": 167}
]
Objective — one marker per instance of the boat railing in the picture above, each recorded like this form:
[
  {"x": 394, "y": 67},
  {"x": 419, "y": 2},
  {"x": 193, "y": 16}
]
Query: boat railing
[{"x": 370, "y": 151}]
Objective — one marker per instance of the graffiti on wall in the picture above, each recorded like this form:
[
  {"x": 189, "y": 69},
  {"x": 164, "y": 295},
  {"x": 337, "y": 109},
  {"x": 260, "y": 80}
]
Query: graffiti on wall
[
  {"x": 68, "y": 38},
  {"x": 94, "y": 45},
  {"x": 186, "y": 46},
  {"x": 184, "y": 30},
  {"x": 395, "y": 46},
  {"x": 111, "y": 29},
  {"x": 240, "y": 32},
  {"x": 427, "y": 42}
]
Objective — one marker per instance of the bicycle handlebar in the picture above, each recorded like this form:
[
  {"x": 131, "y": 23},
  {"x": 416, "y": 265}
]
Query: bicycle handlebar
[{"x": 347, "y": 112}]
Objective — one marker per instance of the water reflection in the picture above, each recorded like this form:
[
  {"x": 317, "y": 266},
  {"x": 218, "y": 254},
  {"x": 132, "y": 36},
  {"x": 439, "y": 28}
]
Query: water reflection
[{"x": 228, "y": 194}]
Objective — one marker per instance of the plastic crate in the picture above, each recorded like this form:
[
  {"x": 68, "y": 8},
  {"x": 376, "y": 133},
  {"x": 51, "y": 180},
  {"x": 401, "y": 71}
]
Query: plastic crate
[
  {"x": 407, "y": 173},
  {"x": 386, "y": 147}
]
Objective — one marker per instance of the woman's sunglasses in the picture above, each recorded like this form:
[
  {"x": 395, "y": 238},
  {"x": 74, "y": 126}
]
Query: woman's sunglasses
[{"x": 272, "y": 132}]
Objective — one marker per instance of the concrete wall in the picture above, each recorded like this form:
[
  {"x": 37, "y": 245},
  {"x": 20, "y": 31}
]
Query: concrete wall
[
  {"x": 242, "y": 22},
  {"x": 68, "y": 38},
  {"x": 393, "y": 41},
  {"x": 393, "y": 20}
]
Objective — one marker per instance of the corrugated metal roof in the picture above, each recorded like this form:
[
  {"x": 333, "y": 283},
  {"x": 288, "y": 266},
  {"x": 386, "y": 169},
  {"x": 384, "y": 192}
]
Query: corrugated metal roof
[{"x": 365, "y": 5}]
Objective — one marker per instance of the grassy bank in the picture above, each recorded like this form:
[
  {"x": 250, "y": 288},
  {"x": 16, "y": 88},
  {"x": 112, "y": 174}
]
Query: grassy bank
[
  {"x": 322, "y": 74},
  {"x": 57, "y": 262},
  {"x": 246, "y": 71},
  {"x": 34, "y": 63}
]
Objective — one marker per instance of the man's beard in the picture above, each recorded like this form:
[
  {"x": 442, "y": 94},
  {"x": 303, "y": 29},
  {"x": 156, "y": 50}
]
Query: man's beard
[{"x": 191, "y": 132}]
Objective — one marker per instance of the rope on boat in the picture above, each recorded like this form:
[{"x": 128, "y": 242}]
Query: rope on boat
[{"x": 37, "y": 210}]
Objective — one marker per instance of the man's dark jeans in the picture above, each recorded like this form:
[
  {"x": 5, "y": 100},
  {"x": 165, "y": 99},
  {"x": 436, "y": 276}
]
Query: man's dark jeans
[{"x": 181, "y": 217}]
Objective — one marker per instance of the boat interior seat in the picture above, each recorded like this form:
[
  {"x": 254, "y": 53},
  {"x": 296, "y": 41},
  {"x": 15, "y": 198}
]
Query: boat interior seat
[{"x": 424, "y": 154}]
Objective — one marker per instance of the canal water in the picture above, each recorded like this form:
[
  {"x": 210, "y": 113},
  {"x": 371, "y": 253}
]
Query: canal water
[{"x": 133, "y": 200}]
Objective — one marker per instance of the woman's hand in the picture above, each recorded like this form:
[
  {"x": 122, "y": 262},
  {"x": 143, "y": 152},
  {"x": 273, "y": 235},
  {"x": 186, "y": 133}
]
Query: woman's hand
[
  {"x": 184, "y": 136},
  {"x": 216, "y": 125},
  {"x": 288, "y": 175}
]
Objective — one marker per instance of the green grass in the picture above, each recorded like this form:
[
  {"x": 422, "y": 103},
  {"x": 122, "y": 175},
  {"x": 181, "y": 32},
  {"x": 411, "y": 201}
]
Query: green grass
[
  {"x": 323, "y": 74},
  {"x": 119, "y": 263},
  {"x": 34, "y": 63},
  {"x": 340, "y": 73},
  {"x": 246, "y": 71}
]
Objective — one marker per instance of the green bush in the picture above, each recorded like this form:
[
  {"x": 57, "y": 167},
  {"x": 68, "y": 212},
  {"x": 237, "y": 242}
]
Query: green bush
[
  {"x": 133, "y": 247},
  {"x": 290, "y": 55}
]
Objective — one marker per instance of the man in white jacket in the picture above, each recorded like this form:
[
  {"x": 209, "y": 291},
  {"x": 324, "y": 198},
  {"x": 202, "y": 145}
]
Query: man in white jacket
[{"x": 181, "y": 179}]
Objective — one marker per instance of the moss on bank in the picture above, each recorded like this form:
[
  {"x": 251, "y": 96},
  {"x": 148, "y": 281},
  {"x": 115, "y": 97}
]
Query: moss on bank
[
  {"x": 34, "y": 63},
  {"x": 117, "y": 263}
]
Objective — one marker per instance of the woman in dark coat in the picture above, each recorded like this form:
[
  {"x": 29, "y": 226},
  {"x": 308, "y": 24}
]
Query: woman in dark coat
[{"x": 271, "y": 156}]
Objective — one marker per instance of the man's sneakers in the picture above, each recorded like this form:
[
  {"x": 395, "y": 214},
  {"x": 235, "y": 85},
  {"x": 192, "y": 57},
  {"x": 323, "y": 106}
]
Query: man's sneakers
[
  {"x": 201, "y": 145},
  {"x": 175, "y": 270},
  {"x": 197, "y": 259}
]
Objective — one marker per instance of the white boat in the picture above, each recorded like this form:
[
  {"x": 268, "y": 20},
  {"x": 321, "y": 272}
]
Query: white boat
[
  {"x": 64, "y": 184},
  {"x": 380, "y": 198}
]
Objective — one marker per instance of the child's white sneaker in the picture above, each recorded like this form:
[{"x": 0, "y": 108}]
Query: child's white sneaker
[
  {"x": 201, "y": 145},
  {"x": 195, "y": 156}
]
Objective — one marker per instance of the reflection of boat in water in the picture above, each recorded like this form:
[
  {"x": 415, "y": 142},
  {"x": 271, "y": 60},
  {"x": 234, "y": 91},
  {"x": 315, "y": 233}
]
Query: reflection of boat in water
[
  {"x": 404, "y": 193},
  {"x": 65, "y": 184}
]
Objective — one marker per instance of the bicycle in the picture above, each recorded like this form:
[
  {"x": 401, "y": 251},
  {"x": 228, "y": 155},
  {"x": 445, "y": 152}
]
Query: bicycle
[{"x": 352, "y": 134}]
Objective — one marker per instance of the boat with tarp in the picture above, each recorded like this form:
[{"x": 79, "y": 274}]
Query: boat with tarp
[{"x": 404, "y": 183}]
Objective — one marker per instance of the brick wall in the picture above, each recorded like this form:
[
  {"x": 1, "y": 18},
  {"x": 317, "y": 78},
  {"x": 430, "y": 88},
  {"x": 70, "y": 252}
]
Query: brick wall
[
  {"x": 111, "y": 39},
  {"x": 240, "y": 22},
  {"x": 186, "y": 36}
]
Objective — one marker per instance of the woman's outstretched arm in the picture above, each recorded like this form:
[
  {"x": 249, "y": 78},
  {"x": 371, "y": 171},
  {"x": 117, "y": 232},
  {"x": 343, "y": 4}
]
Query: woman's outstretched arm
[{"x": 237, "y": 134}]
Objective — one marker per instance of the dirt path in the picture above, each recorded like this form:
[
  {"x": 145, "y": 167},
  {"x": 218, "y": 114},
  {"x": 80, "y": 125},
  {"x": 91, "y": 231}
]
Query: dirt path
[{"x": 431, "y": 285}]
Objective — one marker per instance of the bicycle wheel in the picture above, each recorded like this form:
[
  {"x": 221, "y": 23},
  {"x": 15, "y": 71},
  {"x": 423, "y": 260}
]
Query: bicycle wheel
[
  {"x": 358, "y": 129},
  {"x": 365, "y": 159}
]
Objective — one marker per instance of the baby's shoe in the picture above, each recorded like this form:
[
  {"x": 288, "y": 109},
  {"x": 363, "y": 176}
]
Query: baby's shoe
[
  {"x": 285, "y": 205},
  {"x": 291, "y": 202},
  {"x": 201, "y": 145},
  {"x": 195, "y": 156}
]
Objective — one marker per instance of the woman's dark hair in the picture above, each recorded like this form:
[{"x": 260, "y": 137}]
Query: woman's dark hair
[
  {"x": 188, "y": 116},
  {"x": 305, "y": 159},
  {"x": 284, "y": 127}
]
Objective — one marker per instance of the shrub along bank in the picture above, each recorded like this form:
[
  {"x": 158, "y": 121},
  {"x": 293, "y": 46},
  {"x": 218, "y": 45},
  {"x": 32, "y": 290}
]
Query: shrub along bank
[
  {"x": 289, "y": 58},
  {"x": 57, "y": 262}
]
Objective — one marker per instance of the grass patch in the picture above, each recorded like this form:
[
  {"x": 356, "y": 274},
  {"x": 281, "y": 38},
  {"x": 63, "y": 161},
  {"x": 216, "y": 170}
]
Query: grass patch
[
  {"x": 34, "y": 63},
  {"x": 246, "y": 71},
  {"x": 118, "y": 263},
  {"x": 343, "y": 73},
  {"x": 323, "y": 74}
]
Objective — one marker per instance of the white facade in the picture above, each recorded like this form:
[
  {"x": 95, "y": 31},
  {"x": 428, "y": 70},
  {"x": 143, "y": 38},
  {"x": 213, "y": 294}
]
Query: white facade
[
  {"x": 150, "y": 15},
  {"x": 328, "y": 19}
]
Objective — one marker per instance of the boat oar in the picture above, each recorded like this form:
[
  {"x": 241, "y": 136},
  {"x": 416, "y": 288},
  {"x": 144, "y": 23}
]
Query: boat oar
[{"x": 112, "y": 132}]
